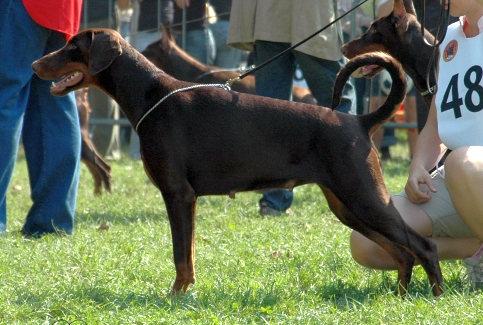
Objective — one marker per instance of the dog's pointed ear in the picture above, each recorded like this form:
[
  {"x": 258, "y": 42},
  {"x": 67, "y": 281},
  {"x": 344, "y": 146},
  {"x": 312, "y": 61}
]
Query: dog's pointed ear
[
  {"x": 167, "y": 33},
  {"x": 400, "y": 16},
  {"x": 105, "y": 48},
  {"x": 409, "y": 6},
  {"x": 399, "y": 8},
  {"x": 167, "y": 38}
]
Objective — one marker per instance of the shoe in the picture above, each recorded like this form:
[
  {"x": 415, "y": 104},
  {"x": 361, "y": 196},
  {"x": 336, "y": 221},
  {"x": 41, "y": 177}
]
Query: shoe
[
  {"x": 474, "y": 267},
  {"x": 265, "y": 210},
  {"x": 39, "y": 233}
]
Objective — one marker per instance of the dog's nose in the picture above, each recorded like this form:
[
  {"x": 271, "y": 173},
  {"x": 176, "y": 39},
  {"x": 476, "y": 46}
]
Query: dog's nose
[{"x": 35, "y": 66}]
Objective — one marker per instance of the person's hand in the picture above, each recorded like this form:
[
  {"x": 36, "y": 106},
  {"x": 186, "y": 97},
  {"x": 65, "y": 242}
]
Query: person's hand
[
  {"x": 183, "y": 3},
  {"x": 419, "y": 185}
]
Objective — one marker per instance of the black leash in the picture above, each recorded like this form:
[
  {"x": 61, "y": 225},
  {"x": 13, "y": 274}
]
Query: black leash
[
  {"x": 263, "y": 64},
  {"x": 440, "y": 35}
]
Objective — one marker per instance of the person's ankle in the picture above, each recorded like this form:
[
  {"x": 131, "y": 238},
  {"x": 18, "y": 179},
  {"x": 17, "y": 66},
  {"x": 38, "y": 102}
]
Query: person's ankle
[{"x": 477, "y": 255}]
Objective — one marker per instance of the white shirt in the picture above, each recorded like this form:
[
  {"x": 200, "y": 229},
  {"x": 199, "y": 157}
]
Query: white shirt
[{"x": 459, "y": 100}]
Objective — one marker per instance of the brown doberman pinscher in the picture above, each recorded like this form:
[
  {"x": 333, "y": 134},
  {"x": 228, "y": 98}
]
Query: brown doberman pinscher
[
  {"x": 170, "y": 58},
  {"x": 98, "y": 167},
  {"x": 399, "y": 34},
  {"x": 212, "y": 141}
]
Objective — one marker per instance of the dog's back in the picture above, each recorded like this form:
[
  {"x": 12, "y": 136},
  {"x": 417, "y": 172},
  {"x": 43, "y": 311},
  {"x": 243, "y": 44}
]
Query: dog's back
[{"x": 169, "y": 57}]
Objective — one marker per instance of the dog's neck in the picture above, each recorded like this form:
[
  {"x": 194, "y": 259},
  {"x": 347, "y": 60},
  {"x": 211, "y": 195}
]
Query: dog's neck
[
  {"x": 414, "y": 55},
  {"x": 135, "y": 83},
  {"x": 176, "y": 62},
  {"x": 179, "y": 64}
]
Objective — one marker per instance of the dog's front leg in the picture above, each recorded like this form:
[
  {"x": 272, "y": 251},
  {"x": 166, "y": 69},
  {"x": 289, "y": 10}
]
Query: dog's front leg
[{"x": 181, "y": 211}]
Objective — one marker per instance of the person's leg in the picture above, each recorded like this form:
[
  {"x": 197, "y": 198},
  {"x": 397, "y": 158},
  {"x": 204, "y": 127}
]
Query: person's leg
[
  {"x": 320, "y": 75},
  {"x": 226, "y": 56},
  {"x": 23, "y": 41},
  {"x": 51, "y": 138},
  {"x": 464, "y": 178},
  {"x": 436, "y": 219},
  {"x": 371, "y": 255},
  {"x": 275, "y": 80},
  {"x": 200, "y": 44}
]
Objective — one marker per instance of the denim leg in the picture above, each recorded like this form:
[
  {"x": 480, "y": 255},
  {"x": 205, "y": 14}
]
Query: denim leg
[
  {"x": 23, "y": 42},
  {"x": 320, "y": 75},
  {"x": 44, "y": 131},
  {"x": 200, "y": 44},
  {"x": 226, "y": 56},
  {"x": 51, "y": 138},
  {"x": 275, "y": 80}
]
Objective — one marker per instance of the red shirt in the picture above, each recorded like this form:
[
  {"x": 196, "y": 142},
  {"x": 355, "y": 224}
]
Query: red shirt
[{"x": 59, "y": 15}]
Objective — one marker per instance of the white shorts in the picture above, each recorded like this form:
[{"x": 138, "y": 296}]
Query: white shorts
[{"x": 440, "y": 209}]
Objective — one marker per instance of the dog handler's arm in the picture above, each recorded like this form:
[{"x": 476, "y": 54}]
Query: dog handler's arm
[{"x": 428, "y": 148}]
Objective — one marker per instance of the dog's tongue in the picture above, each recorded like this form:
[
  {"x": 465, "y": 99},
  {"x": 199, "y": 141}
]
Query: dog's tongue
[
  {"x": 67, "y": 81},
  {"x": 365, "y": 70}
]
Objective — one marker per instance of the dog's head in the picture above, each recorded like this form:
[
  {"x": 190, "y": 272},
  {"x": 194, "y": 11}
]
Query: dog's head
[
  {"x": 388, "y": 34},
  {"x": 77, "y": 64},
  {"x": 170, "y": 57}
]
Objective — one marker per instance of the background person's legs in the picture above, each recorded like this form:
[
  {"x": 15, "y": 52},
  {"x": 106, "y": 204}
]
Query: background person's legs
[
  {"x": 26, "y": 41},
  {"x": 200, "y": 44},
  {"x": 274, "y": 80},
  {"x": 320, "y": 75},
  {"x": 51, "y": 139},
  {"x": 226, "y": 56}
]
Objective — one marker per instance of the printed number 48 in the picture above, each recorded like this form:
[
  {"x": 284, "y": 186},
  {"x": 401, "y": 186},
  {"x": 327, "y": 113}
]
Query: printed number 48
[{"x": 472, "y": 87}]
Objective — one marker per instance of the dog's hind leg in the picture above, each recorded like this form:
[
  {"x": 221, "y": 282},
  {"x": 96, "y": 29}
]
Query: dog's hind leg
[
  {"x": 403, "y": 258},
  {"x": 100, "y": 170},
  {"x": 426, "y": 252},
  {"x": 180, "y": 205}
]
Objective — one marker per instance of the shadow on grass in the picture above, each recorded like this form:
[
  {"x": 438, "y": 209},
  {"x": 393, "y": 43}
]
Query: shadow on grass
[
  {"x": 119, "y": 218},
  {"x": 342, "y": 296}
]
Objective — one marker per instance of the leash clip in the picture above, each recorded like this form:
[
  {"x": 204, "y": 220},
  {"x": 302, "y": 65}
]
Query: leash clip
[
  {"x": 431, "y": 90},
  {"x": 227, "y": 85}
]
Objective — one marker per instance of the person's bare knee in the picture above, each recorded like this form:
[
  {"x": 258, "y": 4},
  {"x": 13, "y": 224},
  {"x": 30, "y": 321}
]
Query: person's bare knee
[
  {"x": 361, "y": 248},
  {"x": 413, "y": 215},
  {"x": 369, "y": 254}
]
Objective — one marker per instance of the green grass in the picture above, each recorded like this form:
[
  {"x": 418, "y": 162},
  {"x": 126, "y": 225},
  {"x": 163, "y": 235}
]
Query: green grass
[{"x": 294, "y": 269}]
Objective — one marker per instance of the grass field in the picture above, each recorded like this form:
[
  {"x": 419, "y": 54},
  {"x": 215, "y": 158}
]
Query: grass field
[{"x": 294, "y": 269}]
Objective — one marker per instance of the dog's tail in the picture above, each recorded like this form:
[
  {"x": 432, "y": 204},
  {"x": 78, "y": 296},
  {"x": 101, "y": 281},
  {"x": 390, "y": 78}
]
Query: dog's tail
[{"x": 398, "y": 89}]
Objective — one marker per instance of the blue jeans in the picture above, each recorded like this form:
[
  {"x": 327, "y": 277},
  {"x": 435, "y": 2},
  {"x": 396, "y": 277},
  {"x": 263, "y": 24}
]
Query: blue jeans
[
  {"x": 48, "y": 125},
  {"x": 226, "y": 56},
  {"x": 275, "y": 80},
  {"x": 199, "y": 44}
]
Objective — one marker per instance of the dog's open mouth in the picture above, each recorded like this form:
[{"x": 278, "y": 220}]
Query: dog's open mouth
[
  {"x": 367, "y": 71},
  {"x": 66, "y": 83}
]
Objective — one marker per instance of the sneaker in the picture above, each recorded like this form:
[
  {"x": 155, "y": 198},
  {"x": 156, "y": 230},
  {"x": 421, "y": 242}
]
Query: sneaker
[
  {"x": 474, "y": 267},
  {"x": 265, "y": 210}
]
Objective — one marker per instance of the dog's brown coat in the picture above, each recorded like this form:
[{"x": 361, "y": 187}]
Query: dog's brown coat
[{"x": 212, "y": 141}]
